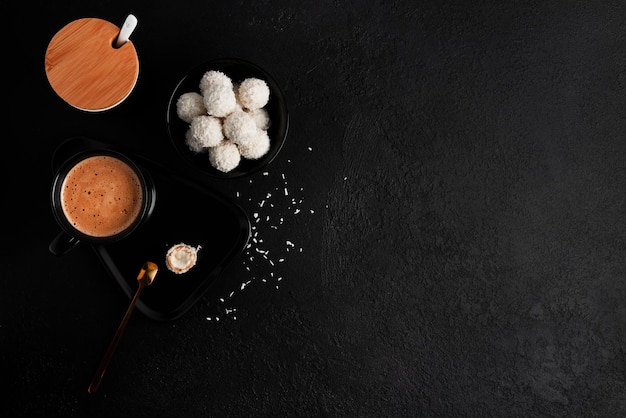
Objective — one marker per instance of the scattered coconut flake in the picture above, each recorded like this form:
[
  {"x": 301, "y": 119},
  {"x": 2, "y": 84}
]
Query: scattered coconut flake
[{"x": 269, "y": 211}]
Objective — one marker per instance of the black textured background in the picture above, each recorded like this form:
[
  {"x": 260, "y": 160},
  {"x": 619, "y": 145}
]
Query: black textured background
[{"x": 459, "y": 250}]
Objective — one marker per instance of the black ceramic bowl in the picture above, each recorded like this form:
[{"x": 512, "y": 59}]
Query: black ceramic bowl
[{"x": 237, "y": 70}]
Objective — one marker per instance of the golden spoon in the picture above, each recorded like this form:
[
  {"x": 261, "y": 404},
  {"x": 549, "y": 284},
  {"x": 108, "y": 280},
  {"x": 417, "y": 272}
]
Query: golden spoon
[{"x": 145, "y": 278}]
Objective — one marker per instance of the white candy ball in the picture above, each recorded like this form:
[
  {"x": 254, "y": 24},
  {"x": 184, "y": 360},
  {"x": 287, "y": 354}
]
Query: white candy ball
[
  {"x": 212, "y": 77},
  {"x": 256, "y": 148},
  {"x": 240, "y": 127},
  {"x": 253, "y": 93},
  {"x": 261, "y": 117},
  {"x": 206, "y": 130},
  {"x": 190, "y": 105},
  {"x": 219, "y": 100},
  {"x": 225, "y": 156},
  {"x": 193, "y": 144}
]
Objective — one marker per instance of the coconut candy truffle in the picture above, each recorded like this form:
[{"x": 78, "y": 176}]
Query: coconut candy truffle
[
  {"x": 225, "y": 156},
  {"x": 256, "y": 148},
  {"x": 181, "y": 257},
  {"x": 193, "y": 144},
  {"x": 189, "y": 105},
  {"x": 206, "y": 130},
  {"x": 212, "y": 77},
  {"x": 240, "y": 127},
  {"x": 253, "y": 93},
  {"x": 261, "y": 117},
  {"x": 219, "y": 100}
]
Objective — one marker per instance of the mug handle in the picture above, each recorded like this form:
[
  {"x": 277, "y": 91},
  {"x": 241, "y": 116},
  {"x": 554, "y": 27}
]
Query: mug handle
[{"x": 62, "y": 244}]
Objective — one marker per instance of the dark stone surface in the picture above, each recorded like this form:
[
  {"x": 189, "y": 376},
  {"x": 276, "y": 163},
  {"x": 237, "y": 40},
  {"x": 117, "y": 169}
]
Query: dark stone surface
[{"x": 459, "y": 251}]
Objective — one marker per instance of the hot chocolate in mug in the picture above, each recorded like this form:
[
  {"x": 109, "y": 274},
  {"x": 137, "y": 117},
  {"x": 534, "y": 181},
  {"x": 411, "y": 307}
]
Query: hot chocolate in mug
[{"x": 99, "y": 196}]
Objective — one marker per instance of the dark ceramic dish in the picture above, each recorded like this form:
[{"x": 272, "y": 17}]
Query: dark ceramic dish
[{"x": 237, "y": 70}]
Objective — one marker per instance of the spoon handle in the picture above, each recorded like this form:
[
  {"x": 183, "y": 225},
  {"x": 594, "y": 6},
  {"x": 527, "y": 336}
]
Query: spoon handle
[
  {"x": 95, "y": 382},
  {"x": 127, "y": 29}
]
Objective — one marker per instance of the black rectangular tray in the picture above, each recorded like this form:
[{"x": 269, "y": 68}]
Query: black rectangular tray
[{"x": 185, "y": 212}]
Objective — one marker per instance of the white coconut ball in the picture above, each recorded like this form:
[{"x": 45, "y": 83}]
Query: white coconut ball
[
  {"x": 240, "y": 127},
  {"x": 193, "y": 144},
  {"x": 256, "y": 148},
  {"x": 253, "y": 93},
  {"x": 261, "y": 117},
  {"x": 225, "y": 156},
  {"x": 212, "y": 77},
  {"x": 219, "y": 100},
  {"x": 190, "y": 105},
  {"x": 206, "y": 130}
]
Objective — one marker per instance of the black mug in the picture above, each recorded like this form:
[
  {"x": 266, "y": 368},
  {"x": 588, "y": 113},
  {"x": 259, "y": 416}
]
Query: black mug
[{"x": 99, "y": 196}]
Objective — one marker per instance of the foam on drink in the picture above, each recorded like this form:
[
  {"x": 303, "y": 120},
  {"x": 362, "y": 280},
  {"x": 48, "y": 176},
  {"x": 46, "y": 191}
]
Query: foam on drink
[{"x": 101, "y": 196}]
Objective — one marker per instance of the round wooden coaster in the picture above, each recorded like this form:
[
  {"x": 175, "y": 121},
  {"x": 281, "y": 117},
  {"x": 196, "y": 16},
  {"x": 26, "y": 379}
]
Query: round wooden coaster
[{"x": 86, "y": 70}]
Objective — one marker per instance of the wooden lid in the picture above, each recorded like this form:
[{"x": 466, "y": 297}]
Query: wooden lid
[{"x": 86, "y": 70}]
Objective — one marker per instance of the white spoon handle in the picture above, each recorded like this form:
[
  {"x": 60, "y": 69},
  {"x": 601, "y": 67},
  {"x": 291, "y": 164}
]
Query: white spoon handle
[{"x": 127, "y": 29}]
